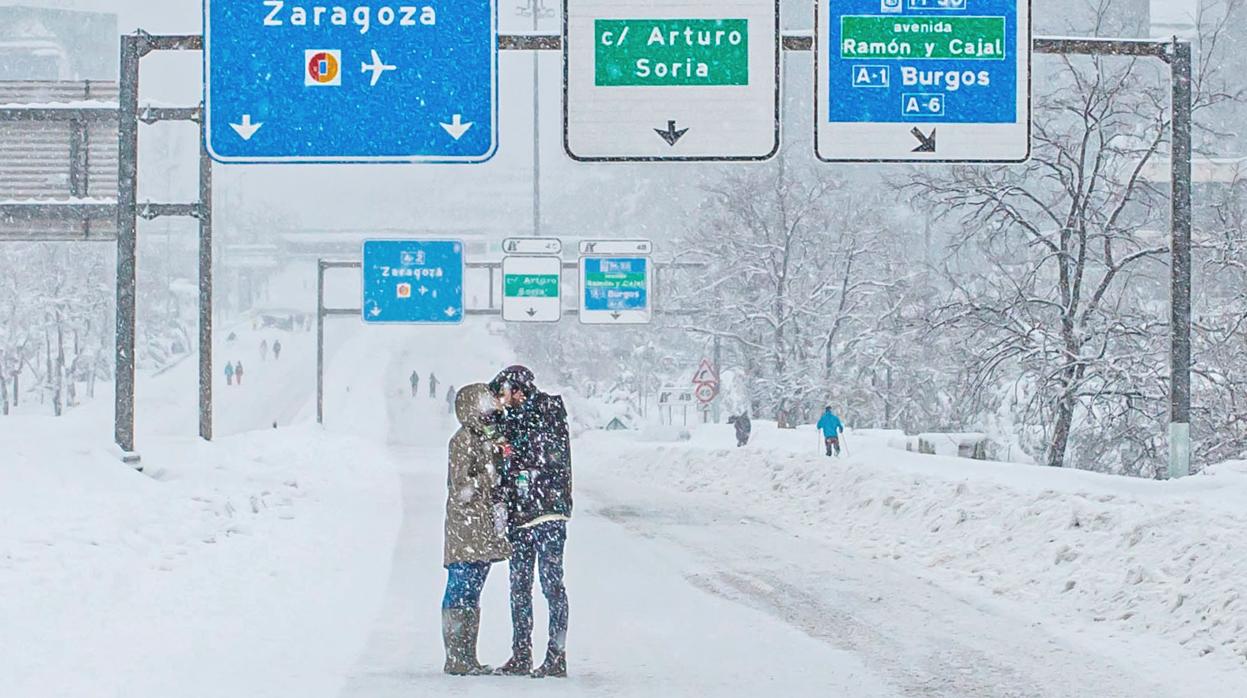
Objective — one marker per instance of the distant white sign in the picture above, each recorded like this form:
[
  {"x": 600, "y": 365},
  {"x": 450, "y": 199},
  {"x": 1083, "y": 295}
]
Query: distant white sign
[{"x": 532, "y": 289}]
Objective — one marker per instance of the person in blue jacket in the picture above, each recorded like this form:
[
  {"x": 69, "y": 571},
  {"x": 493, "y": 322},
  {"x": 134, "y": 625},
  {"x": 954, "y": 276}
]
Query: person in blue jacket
[{"x": 832, "y": 428}]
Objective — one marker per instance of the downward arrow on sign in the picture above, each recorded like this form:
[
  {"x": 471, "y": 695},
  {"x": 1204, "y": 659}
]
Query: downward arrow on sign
[
  {"x": 456, "y": 128},
  {"x": 246, "y": 129},
  {"x": 671, "y": 135}
]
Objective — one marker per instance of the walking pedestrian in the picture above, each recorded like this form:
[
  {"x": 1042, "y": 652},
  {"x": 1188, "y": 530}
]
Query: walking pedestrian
[
  {"x": 238, "y": 372},
  {"x": 832, "y": 428},
  {"x": 744, "y": 427},
  {"x": 229, "y": 373},
  {"x": 277, "y": 350},
  {"x": 263, "y": 350},
  {"x": 433, "y": 386},
  {"x": 537, "y": 490},
  {"x": 450, "y": 400},
  {"x": 475, "y": 536},
  {"x": 415, "y": 383}
]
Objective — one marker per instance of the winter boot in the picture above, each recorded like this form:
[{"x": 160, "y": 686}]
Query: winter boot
[
  {"x": 555, "y": 666},
  {"x": 472, "y": 631},
  {"x": 460, "y": 627},
  {"x": 520, "y": 664}
]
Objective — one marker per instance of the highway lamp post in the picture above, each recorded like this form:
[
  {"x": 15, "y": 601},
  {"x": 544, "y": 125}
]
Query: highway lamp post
[{"x": 537, "y": 10}]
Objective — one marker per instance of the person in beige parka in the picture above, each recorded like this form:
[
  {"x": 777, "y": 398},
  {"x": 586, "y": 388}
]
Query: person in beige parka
[{"x": 475, "y": 535}]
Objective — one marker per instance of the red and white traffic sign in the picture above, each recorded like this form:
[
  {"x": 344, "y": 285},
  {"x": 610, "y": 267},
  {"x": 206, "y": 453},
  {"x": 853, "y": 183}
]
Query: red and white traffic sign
[
  {"x": 706, "y": 373},
  {"x": 706, "y": 392}
]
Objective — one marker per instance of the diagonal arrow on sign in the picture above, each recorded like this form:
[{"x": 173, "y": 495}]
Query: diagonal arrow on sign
[{"x": 927, "y": 143}]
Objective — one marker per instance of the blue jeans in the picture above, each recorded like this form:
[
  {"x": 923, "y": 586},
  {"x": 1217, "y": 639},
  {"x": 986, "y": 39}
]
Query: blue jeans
[
  {"x": 464, "y": 583},
  {"x": 540, "y": 546}
]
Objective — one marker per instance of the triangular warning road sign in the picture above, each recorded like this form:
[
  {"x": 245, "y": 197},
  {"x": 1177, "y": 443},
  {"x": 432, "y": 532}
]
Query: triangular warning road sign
[{"x": 705, "y": 373}]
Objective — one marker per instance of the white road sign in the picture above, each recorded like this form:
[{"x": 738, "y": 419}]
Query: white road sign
[
  {"x": 532, "y": 289},
  {"x": 533, "y": 246},
  {"x": 678, "y": 80}
]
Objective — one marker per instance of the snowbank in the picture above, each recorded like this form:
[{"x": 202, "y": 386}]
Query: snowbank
[
  {"x": 245, "y": 567},
  {"x": 1162, "y": 558}
]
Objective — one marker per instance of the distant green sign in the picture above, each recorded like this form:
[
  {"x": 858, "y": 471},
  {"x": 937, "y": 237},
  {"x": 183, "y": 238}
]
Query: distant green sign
[
  {"x": 671, "y": 52},
  {"x": 531, "y": 285},
  {"x": 923, "y": 37}
]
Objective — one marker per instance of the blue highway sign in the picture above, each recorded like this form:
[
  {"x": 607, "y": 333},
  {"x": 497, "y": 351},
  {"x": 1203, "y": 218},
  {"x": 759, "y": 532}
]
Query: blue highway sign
[
  {"x": 289, "y": 81},
  {"x": 923, "y": 80},
  {"x": 413, "y": 282},
  {"x": 616, "y": 290}
]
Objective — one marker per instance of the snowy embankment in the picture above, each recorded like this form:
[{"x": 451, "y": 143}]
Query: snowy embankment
[
  {"x": 245, "y": 567},
  {"x": 250, "y": 566},
  {"x": 1164, "y": 559}
]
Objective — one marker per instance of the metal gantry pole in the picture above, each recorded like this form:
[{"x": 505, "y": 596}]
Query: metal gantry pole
[
  {"x": 205, "y": 284},
  {"x": 1180, "y": 269},
  {"x": 320, "y": 341},
  {"x": 127, "y": 226},
  {"x": 718, "y": 368}
]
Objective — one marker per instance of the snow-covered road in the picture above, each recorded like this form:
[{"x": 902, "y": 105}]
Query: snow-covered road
[
  {"x": 307, "y": 561},
  {"x": 640, "y": 625},
  {"x": 675, "y": 594}
]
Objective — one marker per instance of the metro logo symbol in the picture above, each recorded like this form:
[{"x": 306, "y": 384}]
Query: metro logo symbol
[
  {"x": 322, "y": 68},
  {"x": 404, "y": 291}
]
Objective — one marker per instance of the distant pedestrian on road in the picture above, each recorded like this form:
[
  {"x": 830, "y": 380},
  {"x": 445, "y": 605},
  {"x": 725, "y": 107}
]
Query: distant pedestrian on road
[
  {"x": 263, "y": 350},
  {"x": 229, "y": 373},
  {"x": 433, "y": 386},
  {"x": 475, "y": 526},
  {"x": 277, "y": 350},
  {"x": 450, "y": 400},
  {"x": 415, "y": 383},
  {"x": 744, "y": 427},
  {"x": 832, "y": 429},
  {"x": 238, "y": 372}
]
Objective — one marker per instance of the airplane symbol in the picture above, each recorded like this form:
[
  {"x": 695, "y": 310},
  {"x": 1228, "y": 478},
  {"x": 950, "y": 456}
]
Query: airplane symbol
[{"x": 378, "y": 68}]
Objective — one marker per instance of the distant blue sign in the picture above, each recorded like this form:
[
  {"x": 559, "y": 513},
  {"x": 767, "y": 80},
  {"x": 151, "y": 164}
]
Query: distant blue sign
[
  {"x": 955, "y": 61},
  {"x": 616, "y": 284},
  {"x": 368, "y": 81},
  {"x": 413, "y": 282}
]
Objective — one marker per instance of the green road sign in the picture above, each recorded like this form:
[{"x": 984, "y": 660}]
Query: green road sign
[
  {"x": 531, "y": 285},
  {"x": 671, "y": 52},
  {"x": 923, "y": 37}
]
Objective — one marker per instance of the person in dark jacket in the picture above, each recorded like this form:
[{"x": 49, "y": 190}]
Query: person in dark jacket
[
  {"x": 433, "y": 386},
  {"x": 744, "y": 427},
  {"x": 473, "y": 541},
  {"x": 415, "y": 383},
  {"x": 536, "y": 489}
]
